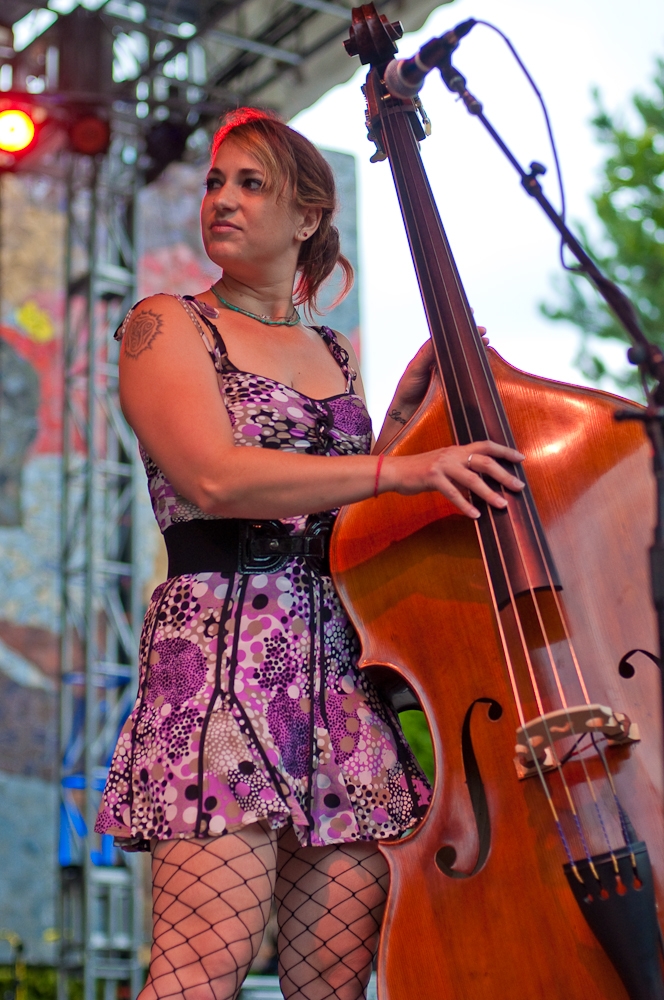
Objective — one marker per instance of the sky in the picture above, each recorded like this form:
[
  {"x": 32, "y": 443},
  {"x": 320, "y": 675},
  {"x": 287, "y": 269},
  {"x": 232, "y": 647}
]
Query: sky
[{"x": 506, "y": 250}]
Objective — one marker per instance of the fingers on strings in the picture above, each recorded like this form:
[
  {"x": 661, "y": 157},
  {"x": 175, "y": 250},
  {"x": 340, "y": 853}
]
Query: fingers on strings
[
  {"x": 484, "y": 465},
  {"x": 211, "y": 902},
  {"x": 330, "y": 904}
]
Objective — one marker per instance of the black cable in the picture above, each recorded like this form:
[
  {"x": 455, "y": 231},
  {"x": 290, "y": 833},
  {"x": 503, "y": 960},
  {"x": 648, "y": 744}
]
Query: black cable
[
  {"x": 572, "y": 752},
  {"x": 549, "y": 129}
]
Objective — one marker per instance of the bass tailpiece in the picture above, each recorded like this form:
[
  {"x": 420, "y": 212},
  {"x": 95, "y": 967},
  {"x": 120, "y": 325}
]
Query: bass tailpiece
[{"x": 619, "y": 907}]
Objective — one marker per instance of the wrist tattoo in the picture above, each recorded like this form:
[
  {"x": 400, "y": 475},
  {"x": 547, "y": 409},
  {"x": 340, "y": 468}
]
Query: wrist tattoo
[
  {"x": 141, "y": 333},
  {"x": 396, "y": 415}
]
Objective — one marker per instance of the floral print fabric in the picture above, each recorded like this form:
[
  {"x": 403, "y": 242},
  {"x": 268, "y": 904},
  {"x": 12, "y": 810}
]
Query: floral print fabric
[{"x": 250, "y": 704}]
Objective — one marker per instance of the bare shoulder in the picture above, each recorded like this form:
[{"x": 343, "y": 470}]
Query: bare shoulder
[{"x": 150, "y": 319}]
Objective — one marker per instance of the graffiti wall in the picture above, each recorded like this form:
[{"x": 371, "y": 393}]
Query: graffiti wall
[
  {"x": 171, "y": 257},
  {"x": 30, "y": 404}
]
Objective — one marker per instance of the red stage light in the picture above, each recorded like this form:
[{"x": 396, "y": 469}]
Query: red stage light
[
  {"x": 90, "y": 135},
  {"x": 17, "y": 130}
]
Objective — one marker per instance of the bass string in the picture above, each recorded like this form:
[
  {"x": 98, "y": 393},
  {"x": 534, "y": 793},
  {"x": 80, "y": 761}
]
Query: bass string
[
  {"x": 559, "y": 764},
  {"x": 627, "y": 837},
  {"x": 397, "y": 162},
  {"x": 510, "y": 669},
  {"x": 507, "y": 436},
  {"x": 484, "y": 361},
  {"x": 553, "y": 665},
  {"x": 560, "y": 610},
  {"x": 429, "y": 215},
  {"x": 552, "y": 746},
  {"x": 549, "y": 651}
]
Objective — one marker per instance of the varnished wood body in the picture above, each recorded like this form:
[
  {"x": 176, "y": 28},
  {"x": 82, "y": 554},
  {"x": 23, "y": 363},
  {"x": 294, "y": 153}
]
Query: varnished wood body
[{"x": 410, "y": 573}]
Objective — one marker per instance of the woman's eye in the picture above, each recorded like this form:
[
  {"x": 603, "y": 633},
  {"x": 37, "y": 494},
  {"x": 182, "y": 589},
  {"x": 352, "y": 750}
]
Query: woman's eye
[
  {"x": 253, "y": 183},
  {"x": 211, "y": 184}
]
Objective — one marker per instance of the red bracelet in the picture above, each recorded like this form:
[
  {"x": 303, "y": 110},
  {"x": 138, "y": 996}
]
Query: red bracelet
[{"x": 380, "y": 462}]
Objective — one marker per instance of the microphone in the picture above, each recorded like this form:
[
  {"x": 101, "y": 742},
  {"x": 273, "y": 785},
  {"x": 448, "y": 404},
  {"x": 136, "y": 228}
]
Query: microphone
[{"x": 404, "y": 77}]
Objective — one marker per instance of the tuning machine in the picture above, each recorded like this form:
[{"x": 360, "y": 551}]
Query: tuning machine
[
  {"x": 426, "y": 121},
  {"x": 372, "y": 133}
]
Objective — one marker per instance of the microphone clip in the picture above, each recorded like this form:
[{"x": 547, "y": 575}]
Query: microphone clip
[{"x": 456, "y": 82}]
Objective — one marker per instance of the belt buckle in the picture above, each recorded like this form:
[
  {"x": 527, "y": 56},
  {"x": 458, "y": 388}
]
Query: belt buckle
[
  {"x": 250, "y": 561},
  {"x": 317, "y": 532},
  {"x": 267, "y": 546},
  {"x": 313, "y": 546}
]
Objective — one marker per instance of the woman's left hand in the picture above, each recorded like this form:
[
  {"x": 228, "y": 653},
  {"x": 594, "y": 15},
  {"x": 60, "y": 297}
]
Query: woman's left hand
[{"x": 415, "y": 380}]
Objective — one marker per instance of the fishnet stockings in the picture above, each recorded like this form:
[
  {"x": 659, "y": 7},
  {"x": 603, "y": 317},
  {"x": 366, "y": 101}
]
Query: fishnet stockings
[
  {"x": 211, "y": 902},
  {"x": 330, "y": 903}
]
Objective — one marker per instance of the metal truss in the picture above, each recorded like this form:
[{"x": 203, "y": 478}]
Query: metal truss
[{"x": 101, "y": 888}]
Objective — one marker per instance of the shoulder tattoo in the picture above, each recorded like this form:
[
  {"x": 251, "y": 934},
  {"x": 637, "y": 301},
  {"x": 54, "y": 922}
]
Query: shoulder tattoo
[{"x": 141, "y": 333}]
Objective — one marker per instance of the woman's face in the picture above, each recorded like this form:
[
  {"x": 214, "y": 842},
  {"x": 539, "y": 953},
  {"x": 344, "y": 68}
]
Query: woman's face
[{"x": 246, "y": 228}]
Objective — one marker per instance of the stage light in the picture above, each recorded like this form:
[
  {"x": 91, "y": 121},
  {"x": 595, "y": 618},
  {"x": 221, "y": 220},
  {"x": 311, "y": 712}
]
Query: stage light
[
  {"x": 165, "y": 142},
  {"x": 17, "y": 130},
  {"x": 22, "y": 120},
  {"x": 90, "y": 135}
]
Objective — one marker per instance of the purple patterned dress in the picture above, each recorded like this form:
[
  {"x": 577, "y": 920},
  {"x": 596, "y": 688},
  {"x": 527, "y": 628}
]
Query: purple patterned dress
[{"x": 250, "y": 705}]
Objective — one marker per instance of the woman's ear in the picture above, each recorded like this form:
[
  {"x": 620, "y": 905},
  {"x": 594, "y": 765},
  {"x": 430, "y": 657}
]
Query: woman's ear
[{"x": 310, "y": 222}]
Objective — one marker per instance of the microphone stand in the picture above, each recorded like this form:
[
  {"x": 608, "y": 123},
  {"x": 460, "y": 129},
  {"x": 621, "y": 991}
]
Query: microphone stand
[{"x": 646, "y": 355}]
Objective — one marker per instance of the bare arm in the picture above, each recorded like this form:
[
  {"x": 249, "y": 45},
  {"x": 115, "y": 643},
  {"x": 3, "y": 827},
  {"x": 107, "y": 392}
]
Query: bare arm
[{"x": 170, "y": 396}]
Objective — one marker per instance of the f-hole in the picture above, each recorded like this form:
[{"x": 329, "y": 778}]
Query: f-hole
[
  {"x": 627, "y": 669},
  {"x": 446, "y": 856}
]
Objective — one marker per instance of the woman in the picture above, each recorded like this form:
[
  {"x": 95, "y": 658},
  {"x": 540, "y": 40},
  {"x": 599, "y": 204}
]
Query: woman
[{"x": 257, "y": 760}]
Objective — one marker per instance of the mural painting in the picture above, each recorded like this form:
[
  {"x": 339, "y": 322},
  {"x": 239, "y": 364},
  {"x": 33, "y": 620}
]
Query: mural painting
[{"x": 30, "y": 405}]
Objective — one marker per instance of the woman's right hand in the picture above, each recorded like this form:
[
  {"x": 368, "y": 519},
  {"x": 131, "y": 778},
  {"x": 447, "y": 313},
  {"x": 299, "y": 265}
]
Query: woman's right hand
[{"x": 453, "y": 471}]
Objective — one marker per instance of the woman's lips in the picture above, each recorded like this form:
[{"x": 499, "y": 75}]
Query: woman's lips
[{"x": 221, "y": 227}]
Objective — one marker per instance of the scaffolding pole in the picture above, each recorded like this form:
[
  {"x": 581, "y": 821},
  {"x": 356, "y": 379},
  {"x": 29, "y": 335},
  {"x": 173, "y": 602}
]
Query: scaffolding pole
[{"x": 100, "y": 905}]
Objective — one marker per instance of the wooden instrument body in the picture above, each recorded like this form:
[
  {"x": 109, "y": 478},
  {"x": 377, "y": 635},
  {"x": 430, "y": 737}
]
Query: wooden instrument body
[{"x": 411, "y": 574}]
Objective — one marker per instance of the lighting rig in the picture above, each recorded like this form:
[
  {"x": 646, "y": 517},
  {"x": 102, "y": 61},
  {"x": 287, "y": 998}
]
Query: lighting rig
[{"x": 67, "y": 127}]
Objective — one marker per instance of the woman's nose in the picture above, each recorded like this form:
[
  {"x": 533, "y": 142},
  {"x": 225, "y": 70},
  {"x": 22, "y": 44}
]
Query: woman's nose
[{"x": 224, "y": 199}]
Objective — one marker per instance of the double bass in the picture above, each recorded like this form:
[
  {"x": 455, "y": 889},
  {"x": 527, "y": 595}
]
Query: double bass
[{"x": 527, "y": 639}]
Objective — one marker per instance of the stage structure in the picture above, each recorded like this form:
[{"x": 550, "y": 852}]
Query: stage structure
[
  {"x": 158, "y": 74},
  {"x": 100, "y": 916}
]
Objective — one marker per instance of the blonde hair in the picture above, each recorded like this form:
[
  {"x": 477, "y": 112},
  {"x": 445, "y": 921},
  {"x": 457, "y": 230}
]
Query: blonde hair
[{"x": 293, "y": 163}]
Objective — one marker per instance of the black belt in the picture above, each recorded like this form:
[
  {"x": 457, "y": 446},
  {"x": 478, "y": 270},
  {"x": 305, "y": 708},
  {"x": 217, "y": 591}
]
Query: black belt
[{"x": 232, "y": 545}]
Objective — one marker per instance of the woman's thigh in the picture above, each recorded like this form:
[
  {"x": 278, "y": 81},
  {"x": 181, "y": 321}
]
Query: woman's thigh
[
  {"x": 211, "y": 901},
  {"x": 330, "y": 903}
]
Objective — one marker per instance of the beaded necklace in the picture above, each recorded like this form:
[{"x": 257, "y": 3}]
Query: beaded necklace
[{"x": 293, "y": 320}]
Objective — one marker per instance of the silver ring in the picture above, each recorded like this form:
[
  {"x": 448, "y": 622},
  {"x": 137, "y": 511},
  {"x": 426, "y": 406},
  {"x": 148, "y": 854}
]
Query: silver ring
[{"x": 470, "y": 458}]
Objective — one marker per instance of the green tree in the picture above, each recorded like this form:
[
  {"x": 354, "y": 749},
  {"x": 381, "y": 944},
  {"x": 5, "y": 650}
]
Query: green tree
[
  {"x": 630, "y": 248},
  {"x": 416, "y": 731}
]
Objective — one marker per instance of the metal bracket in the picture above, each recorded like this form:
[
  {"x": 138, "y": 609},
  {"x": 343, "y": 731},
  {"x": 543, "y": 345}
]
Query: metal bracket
[{"x": 426, "y": 121}]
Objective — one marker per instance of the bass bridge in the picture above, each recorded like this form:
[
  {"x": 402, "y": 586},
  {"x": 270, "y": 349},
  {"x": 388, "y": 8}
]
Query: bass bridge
[{"x": 535, "y": 750}]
